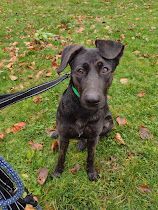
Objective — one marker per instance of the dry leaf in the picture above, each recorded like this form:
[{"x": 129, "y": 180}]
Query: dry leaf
[
  {"x": 144, "y": 133},
  {"x": 75, "y": 169},
  {"x": 55, "y": 146},
  {"x": 124, "y": 80},
  {"x": 29, "y": 207},
  {"x": 37, "y": 99},
  {"x": 121, "y": 120},
  {"x": 144, "y": 188},
  {"x": 35, "y": 146},
  {"x": 80, "y": 30},
  {"x": 48, "y": 74},
  {"x": 15, "y": 43},
  {"x": 141, "y": 94},
  {"x": 39, "y": 74},
  {"x": 42, "y": 175},
  {"x": 54, "y": 64},
  {"x": 119, "y": 139},
  {"x": 136, "y": 52},
  {"x": 13, "y": 78},
  {"x": 122, "y": 36},
  {"x": 17, "y": 127},
  {"x": 2, "y": 135},
  {"x": 2, "y": 63}
]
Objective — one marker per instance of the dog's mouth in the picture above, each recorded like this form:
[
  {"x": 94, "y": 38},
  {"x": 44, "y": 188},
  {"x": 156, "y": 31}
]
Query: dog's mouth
[{"x": 92, "y": 106}]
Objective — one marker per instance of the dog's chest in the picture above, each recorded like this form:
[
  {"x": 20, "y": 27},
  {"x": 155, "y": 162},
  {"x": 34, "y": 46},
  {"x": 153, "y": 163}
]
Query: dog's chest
[{"x": 87, "y": 128}]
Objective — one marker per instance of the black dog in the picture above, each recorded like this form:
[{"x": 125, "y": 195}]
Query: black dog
[{"x": 83, "y": 111}]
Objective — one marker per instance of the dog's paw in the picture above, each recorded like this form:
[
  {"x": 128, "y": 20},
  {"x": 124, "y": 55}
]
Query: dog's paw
[
  {"x": 54, "y": 134},
  {"x": 93, "y": 176},
  {"x": 81, "y": 145},
  {"x": 56, "y": 174}
]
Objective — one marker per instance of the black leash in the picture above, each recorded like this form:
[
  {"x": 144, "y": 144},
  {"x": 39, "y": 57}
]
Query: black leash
[{"x": 8, "y": 99}]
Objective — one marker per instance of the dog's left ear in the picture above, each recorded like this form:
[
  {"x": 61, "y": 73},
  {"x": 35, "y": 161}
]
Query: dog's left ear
[{"x": 110, "y": 50}]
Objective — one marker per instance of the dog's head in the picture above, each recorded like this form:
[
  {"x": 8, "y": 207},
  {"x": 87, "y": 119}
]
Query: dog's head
[{"x": 92, "y": 70}]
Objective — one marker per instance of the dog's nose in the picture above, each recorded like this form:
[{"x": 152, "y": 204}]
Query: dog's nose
[{"x": 92, "y": 98}]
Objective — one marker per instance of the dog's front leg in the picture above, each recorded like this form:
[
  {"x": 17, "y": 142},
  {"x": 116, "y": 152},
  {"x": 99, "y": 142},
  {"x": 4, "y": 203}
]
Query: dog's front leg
[
  {"x": 64, "y": 143},
  {"x": 91, "y": 148}
]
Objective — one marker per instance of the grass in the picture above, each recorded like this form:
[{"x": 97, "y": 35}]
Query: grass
[{"x": 123, "y": 169}]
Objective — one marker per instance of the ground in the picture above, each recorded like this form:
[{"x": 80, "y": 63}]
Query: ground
[{"x": 128, "y": 173}]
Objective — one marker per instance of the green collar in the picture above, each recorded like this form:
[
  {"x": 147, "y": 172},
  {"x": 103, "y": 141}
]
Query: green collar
[{"x": 75, "y": 91}]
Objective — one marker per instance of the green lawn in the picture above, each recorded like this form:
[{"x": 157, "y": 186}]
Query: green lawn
[{"x": 124, "y": 169}]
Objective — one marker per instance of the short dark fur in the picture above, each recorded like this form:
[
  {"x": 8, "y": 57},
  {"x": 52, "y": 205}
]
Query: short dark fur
[{"x": 86, "y": 117}]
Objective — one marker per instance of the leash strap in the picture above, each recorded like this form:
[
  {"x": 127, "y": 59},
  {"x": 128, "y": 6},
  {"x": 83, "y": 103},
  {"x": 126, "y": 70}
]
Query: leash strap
[{"x": 8, "y": 99}]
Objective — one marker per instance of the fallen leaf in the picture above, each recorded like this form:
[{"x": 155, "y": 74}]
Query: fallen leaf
[
  {"x": 141, "y": 94},
  {"x": 29, "y": 207},
  {"x": 35, "y": 146},
  {"x": 54, "y": 64},
  {"x": 15, "y": 43},
  {"x": 144, "y": 133},
  {"x": 2, "y": 63},
  {"x": 121, "y": 120},
  {"x": 39, "y": 74},
  {"x": 37, "y": 99},
  {"x": 75, "y": 169},
  {"x": 55, "y": 146},
  {"x": 119, "y": 139},
  {"x": 122, "y": 36},
  {"x": 13, "y": 78},
  {"x": 144, "y": 188},
  {"x": 124, "y": 80},
  {"x": 136, "y": 52},
  {"x": 17, "y": 127},
  {"x": 42, "y": 175},
  {"x": 48, "y": 74},
  {"x": 80, "y": 30},
  {"x": 2, "y": 135}
]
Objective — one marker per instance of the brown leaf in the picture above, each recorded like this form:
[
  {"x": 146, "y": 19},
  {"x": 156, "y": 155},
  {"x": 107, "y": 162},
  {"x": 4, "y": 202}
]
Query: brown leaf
[
  {"x": 37, "y": 99},
  {"x": 55, "y": 146},
  {"x": 136, "y": 52},
  {"x": 54, "y": 64},
  {"x": 144, "y": 188},
  {"x": 17, "y": 127},
  {"x": 39, "y": 74},
  {"x": 48, "y": 74},
  {"x": 141, "y": 94},
  {"x": 29, "y": 207},
  {"x": 124, "y": 81},
  {"x": 2, "y": 64},
  {"x": 35, "y": 146},
  {"x": 75, "y": 169},
  {"x": 121, "y": 120},
  {"x": 2, "y": 136},
  {"x": 42, "y": 175},
  {"x": 119, "y": 139},
  {"x": 15, "y": 43},
  {"x": 144, "y": 133},
  {"x": 122, "y": 36},
  {"x": 13, "y": 78},
  {"x": 80, "y": 30}
]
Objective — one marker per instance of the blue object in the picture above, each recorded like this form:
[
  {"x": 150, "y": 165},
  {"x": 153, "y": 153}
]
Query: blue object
[{"x": 12, "y": 183}]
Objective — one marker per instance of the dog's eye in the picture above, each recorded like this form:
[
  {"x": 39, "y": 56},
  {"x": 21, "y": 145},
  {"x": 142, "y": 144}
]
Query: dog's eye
[
  {"x": 80, "y": 71},
  {"x": 100, "y": 64},
  {"x": 104, "y": 70}
]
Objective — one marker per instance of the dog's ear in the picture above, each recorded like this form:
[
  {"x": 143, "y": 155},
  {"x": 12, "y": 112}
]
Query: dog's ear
[
  {"x": 109, "y": 49},
  {"x": 67, "y": 55}
]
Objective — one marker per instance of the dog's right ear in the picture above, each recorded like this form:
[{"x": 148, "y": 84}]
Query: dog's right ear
[{"x": 67, "y": 55}]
